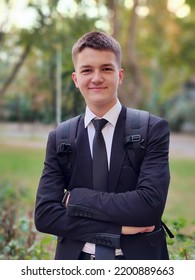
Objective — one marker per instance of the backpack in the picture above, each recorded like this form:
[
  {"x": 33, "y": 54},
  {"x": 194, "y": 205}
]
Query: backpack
[{"x": 136, "y": 129}]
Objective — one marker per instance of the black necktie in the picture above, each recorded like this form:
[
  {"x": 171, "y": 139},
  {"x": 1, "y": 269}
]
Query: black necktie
[{"x": 100, "y": 178}]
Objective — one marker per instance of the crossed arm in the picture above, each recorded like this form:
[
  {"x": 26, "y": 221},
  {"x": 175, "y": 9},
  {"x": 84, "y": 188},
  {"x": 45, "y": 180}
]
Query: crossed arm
[{"x": 126, "y": 230}]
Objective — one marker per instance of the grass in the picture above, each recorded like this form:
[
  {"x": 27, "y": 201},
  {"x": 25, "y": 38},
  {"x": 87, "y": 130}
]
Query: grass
[
  {"x": 181, "y": 195},
  {"x": 21, "y": 167}
]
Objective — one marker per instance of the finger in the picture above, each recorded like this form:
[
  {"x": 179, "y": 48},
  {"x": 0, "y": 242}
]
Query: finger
[{"x": 148, "y": 229}]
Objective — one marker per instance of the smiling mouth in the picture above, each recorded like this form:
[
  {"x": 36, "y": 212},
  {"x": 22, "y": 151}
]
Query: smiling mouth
[{"x": 97, "y": 88}]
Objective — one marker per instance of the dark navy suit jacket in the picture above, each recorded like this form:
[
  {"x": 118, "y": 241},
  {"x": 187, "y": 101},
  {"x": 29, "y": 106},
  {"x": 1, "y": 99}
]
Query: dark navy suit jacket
[{"x": 130, "y": 199}]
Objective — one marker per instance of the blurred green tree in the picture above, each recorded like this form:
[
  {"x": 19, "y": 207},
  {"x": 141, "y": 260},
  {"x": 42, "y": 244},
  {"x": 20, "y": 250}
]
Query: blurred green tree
[{"x": 157, "y": 44}]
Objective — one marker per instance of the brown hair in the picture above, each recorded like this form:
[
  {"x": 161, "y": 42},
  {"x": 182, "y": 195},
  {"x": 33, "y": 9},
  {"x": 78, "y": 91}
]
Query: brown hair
[{"x": 98, "y": 41}]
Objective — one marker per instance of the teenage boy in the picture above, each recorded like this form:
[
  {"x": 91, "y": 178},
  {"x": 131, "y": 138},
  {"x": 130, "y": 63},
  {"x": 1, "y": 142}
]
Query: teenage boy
[{"x": 126, "y": 214}]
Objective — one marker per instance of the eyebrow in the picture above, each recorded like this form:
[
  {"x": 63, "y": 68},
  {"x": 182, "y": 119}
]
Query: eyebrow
[
  {"x": 103, "y": 65},
  {"x": 85, "y": 66}
]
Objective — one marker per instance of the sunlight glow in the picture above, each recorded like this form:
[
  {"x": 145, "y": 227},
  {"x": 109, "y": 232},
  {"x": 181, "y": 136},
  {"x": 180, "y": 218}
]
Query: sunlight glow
[
  {"x": 17, "y": 13},
  {"x": 128, "y": 4},
  {"x": 174, "y": 5},
  {"x": 184, "y": 11},
  {"x": 142, "y": 11},
  {"x": 179, "y": 7},
  {"x": 24, "y": 17},
  {"x": 67, "y": 7}
]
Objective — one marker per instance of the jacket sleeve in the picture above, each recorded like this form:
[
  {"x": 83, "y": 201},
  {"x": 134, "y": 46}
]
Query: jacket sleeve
[
  {"x": 50, "y": 214},
  {"x": 144, "y": 205}
]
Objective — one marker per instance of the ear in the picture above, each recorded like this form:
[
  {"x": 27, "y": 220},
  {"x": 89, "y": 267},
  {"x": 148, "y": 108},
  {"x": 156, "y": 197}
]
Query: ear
[
  {"x": 74, "y": 77},
  {"x": 121, "y": 76}
]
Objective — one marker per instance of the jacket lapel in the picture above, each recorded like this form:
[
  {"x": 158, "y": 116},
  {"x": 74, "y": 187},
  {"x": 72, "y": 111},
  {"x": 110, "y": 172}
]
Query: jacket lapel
[
  {"x": 82, "y": 174},
  {"x": 118, "y": 151}
]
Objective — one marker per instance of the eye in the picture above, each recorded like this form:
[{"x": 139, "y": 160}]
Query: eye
[
  {"x": 107, "y": 69},
  {"x": 86, "y": 71}
]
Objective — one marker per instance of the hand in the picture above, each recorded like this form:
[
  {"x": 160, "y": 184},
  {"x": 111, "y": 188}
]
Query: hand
[{"x": 133, "y": 230}]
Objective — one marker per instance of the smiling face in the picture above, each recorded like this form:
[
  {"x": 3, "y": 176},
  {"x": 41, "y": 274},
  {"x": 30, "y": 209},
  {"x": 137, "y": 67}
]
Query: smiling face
[{"x": 97, "y": 76}]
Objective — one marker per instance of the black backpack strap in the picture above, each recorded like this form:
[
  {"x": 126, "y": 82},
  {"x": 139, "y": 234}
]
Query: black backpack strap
[
  {"x": 136, "y": 129},
  {"x": 65, "y": 143},
  {"x": 170, "y": 234}
]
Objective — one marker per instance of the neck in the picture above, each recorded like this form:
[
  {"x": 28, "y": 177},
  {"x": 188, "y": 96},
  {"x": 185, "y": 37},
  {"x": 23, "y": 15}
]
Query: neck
[{"x": 101, "y": 110}]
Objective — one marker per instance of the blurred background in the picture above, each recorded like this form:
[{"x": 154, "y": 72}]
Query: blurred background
[{"x": 37, "y": 93}]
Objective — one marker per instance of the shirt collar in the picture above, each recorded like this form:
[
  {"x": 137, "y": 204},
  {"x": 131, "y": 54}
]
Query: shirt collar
[{"x": 111, "y": 116}]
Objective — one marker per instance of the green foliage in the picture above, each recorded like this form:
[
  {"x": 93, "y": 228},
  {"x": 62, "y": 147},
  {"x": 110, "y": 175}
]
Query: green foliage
[
  {"x": 182, "y": 247},
  {"x": 165, "y": 62},
  {"x": 31, "y": 95},
  {"x": 18, "y": 237},
  {"x": 183, "y": 112}
]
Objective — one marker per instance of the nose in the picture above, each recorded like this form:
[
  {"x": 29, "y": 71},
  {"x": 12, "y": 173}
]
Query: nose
[{"x": 97, "y": 77}]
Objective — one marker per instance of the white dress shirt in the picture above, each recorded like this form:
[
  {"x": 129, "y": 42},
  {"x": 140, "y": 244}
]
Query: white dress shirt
[{"x": 108, "y": 131}]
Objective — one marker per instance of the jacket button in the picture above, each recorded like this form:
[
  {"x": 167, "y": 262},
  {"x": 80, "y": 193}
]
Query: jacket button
[
  {"x": 81, "y": 214},
  {"x": 104, "y": 242},
  {"x": 89, "y": 215},
  {"x": 76, "y": 213}
]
